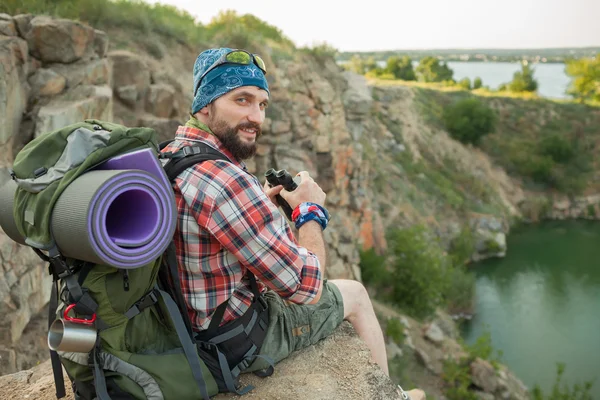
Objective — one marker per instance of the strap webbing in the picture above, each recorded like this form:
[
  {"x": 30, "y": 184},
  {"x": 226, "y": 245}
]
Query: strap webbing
[
  {"x": 146, "y": 301},
  {"x": 189, "y": 156},
  {"x": 217, "y": 317},
  {"x": 228, "y": 376},
  {"x": 186, "y": 342},
  {"x": 175, "y": 287},
  {"x": 227, "y": 335},
  {"x": 59, "y": 382},
  {"x": 99, "y": 378}
]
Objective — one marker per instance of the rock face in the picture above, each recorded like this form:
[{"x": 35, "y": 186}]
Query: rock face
[
  {"x": 14, "y": 90},
  {"x": 24, "y": 290},
  {"x": 52, "y": 73}
]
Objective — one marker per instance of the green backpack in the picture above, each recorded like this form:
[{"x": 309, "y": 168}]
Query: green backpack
[{"x": 121, "y": 328}]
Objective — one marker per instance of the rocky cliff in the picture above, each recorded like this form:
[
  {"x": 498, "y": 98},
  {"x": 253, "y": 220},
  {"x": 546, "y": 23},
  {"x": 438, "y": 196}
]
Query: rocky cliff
[{"x": 367, "y": 146}]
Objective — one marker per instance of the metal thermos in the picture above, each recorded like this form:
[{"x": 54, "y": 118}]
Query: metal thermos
[{"x": 72, "y": 334}]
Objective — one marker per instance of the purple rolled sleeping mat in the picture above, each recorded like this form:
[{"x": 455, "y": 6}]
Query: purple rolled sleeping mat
[{"x": 122, "y": 213}]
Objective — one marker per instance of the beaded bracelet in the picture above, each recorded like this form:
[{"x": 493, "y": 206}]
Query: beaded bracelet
[{"x": 308, "y": 211}]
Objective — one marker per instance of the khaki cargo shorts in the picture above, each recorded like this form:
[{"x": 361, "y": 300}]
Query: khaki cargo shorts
[{"x": 295, "y": 326}]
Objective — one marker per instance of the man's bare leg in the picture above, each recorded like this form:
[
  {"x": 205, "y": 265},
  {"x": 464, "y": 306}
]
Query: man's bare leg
[{"x": 358, "y": 310}]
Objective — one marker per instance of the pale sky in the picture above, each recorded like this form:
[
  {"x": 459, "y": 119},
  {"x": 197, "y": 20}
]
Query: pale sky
[{"x": 355, "y": 25}]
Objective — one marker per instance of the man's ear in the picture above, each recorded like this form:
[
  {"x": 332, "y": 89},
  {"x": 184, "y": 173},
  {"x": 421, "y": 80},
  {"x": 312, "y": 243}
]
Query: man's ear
[{"x": 204, "y": 111}]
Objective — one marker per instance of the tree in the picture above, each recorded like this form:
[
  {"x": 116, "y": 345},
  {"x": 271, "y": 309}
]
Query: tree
[
  {"x": 477, "y": 83},
  {"x": 400, "y": 68},
  {"x": 431, "y": 70},
  {"x": 371, "y": 64},
  {"x": 523, "y": 80},
  {"x": 356, "y": 64},
  {"x": 586, "y": 78},
  {"x": 465, "y": 83}
]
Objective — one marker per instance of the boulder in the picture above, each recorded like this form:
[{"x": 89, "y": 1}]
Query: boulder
[
  {"x": 489, "y": 235},
  {"x": 100, "y": 43},
  {"x": 357, "y": 98},
  {"x": 23, "y": 23},
  {"x": 93, "y": 72},
  {"x": 160, "y": 99},
  {"x": 59, "y": 40},
  {"x": 87, "y": 102},
  {"x": 483, "y": 375},
  {"x": 7, "y": 26},
  {"x": 128, "y": 95},
  {"x": 434, "y": 334},
  {"x": 278, "y": 127},
  {"x": 164, "y": 127},
  {"x": 129, "y": 70},
  {"x": 46, "y": 82},
  {"x": 13, "y": 91}
]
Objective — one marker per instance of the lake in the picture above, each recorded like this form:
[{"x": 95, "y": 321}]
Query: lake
[
  {"x": 552, "y": 79},
  {"x": 541, "y": 303}
]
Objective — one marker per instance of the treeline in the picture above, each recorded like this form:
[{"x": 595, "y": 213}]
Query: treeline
[
  {"x": 585, "y": 73},
  {"x": 507, "y": 55},
  {"x": 429, "y": 69}
]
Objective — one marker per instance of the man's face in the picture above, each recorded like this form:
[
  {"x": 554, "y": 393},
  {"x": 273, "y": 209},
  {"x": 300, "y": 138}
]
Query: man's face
[{"x": 236, "y": 119}]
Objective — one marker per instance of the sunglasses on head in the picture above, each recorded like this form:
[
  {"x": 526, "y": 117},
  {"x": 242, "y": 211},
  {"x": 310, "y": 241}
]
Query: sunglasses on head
[{"x": 241, "y": 57}]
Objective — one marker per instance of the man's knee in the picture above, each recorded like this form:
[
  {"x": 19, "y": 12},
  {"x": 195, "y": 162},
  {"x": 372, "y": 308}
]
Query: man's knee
[{"x": 355, "y": 296}]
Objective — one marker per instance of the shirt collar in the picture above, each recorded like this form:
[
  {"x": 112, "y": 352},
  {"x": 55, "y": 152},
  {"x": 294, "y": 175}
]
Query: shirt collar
[
  {"x": 194, "y": 134},
  {"x": 194, "y": 122}
]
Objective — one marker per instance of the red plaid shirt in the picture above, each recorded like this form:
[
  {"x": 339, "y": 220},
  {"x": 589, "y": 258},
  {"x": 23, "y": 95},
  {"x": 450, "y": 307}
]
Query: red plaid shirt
[{"x": 226, "y": 225}]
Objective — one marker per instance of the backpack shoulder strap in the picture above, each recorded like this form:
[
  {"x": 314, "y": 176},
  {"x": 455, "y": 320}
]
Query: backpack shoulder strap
[{"x": 189, "y": 156}]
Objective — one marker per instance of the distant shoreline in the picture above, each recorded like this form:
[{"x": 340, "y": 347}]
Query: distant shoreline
[
  {"x": 478, "y": 61},
  {"x": 546, "y": 56}
]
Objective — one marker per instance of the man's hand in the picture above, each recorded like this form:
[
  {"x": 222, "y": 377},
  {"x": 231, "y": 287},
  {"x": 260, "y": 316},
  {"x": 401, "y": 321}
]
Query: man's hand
[
  {"x": 272, "y": 192},
  {"x": 307, "y": 190}
]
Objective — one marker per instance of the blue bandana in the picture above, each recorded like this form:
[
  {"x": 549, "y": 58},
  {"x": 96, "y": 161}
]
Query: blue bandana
[{"x": 222, "y": 79}]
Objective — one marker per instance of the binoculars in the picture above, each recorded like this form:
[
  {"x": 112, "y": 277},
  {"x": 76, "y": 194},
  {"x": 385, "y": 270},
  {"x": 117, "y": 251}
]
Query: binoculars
[{"x": 282, "y": 177}]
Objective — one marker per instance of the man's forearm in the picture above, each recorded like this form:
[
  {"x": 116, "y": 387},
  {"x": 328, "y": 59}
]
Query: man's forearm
[{"x": 310, "y": 236}]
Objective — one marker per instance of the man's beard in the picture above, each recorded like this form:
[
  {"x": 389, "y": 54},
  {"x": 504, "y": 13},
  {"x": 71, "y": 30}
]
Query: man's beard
[{"x": 231, "y": 140}]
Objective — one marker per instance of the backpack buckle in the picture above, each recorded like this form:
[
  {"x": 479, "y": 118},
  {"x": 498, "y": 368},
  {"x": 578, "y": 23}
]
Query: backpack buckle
[
  {"x": 206, "y": 345},
  {"x": 190, "y": 150},
  {"x": 59, "y": 267}
]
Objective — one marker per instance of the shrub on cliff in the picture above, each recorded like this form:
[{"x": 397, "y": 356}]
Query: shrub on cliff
[
  {"x": 418, "y": 270},
  {"x": 557, "y": 147},
  {"x": 468, "y": 120},
  {"x": 563, "y": 391},
  {"x": 372, "y": 267},
  {"x": 417, "y": 275}
]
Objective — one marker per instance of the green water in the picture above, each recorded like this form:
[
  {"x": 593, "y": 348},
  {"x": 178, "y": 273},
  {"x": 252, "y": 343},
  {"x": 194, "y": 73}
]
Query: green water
[{"x": 541, "y": 303}]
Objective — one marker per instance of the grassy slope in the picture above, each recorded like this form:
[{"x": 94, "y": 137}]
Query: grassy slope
[{"x": 523, "y": 123}]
